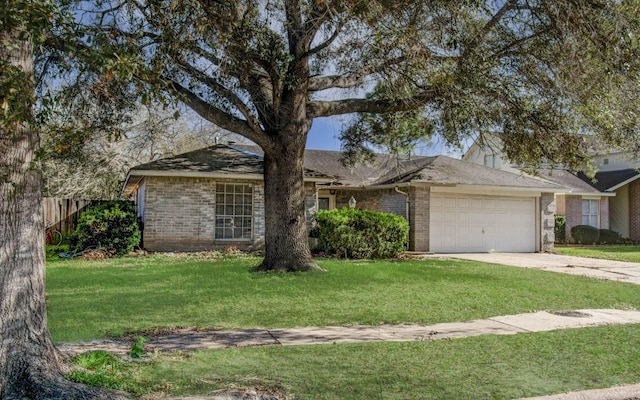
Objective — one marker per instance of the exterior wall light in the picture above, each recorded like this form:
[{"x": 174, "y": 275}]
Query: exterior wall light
[{"x": 352, "y": 202}]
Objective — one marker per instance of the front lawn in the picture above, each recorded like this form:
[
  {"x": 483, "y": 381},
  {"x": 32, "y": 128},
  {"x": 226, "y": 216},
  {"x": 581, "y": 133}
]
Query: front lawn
[
  {"x": 618, "y": 253},
  {"x": 92, "y": 299}
]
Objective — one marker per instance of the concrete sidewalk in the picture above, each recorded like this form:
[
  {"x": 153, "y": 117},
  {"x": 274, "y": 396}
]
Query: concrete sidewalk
[
  {"x": 190, "y": 339},
  {"x": 591, "y": 267}
]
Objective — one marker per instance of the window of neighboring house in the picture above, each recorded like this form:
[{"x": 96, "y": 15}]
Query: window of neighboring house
[
  {"x": 492, "y": 161},
  {"x": 234, "y": 211},
  {"x": 591, "y": 212}
]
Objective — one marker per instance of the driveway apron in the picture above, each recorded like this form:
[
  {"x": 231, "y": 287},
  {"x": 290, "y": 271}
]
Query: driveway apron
[{"x": 595, "y": 268}]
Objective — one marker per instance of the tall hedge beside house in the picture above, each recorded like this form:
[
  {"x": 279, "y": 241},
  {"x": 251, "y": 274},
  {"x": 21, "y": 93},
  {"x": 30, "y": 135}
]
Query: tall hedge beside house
[
  {"x": 560, "y": 229},
  {"x": 361, "y": 233},
  {"x": 112, "y": 225}
]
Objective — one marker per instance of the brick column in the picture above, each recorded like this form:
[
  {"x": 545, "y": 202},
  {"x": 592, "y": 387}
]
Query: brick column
[
  {"x": 419, "y": 218},
  {"x": 547, "y": 221}
]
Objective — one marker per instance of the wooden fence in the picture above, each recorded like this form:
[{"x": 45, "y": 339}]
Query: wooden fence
[{"x": 62, "y": 214}]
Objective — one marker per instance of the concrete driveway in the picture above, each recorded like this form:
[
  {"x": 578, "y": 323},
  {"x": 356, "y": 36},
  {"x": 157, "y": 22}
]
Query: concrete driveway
[{"x": 591, "y": 267}]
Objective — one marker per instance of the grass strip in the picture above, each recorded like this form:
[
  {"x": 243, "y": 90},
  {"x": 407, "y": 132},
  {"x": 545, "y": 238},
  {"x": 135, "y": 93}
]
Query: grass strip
[{"x": 617, "y": 253}]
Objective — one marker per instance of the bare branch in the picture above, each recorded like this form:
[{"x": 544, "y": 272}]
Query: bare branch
[
  {"x": 214, "y": 114},
  {"x": 221, "y": 90},
  {"x": 329, "y": 41}
]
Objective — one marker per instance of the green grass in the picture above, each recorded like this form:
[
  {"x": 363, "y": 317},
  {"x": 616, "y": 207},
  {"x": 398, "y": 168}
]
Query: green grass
[
  {"x": 618, "y": 253},
  {"x": 487, "y": 367},
  {"x": 92, "y": 299}
]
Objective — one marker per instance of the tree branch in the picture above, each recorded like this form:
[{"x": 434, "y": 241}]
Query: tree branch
[
  {"x": 346, "y": 82},
  {"x": 350, "y": 106},
  {"x": 221, "y": 90},
  {"x": 214, "y": 114}
]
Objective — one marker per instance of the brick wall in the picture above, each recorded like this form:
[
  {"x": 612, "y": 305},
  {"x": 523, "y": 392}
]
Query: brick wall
[
  {"x": 387, "y": 200},
  {"x": 180, "y": 215},
  {"x": 634, "y": 210},
  {"x": 419, "y": 218},
  {"x": 604, "y": 213},
  {"x": 547, "y": 222},
  {"x": 573, "y": 213},
  {"x": 561, "y": 200}
]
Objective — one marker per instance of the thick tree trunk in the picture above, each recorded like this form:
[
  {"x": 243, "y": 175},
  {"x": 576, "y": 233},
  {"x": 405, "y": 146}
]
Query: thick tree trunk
[
  {"x": 286, "y": 237},
  {"x": 29, "y": 366}
]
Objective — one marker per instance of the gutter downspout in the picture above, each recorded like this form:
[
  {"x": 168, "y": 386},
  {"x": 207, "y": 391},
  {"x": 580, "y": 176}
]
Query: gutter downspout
[{"x": 407, "y": 201}]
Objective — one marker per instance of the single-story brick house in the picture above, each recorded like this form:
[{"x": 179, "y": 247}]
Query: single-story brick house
[{"x": 213, "y": 198}]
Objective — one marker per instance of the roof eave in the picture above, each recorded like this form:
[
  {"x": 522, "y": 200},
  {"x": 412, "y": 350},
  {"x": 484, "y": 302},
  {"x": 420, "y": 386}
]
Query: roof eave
[
  {"x": 513, "y": 188},
  {"x": 208, "y": 174},
  {"x": 602, "y": 194}
]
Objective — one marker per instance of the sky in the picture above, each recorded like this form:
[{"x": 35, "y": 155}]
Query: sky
[{"x": 324, "y": 136}]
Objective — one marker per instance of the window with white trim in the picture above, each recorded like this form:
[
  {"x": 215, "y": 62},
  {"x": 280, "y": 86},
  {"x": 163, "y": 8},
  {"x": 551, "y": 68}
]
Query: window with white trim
[
  {"x": 591, "y": 212},
  {"x": 234, "y": 211}
]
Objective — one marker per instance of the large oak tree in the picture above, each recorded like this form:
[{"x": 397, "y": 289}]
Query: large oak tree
[
  {"x": 537, "y": 73},
  {"x": 29, "y": 365}
]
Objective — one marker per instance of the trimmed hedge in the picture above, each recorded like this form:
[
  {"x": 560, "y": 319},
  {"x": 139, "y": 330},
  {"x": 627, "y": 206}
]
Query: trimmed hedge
[
  {"x": 361, "y": 234},
  {"x": 607, "y": 236},
  {"x": 585, "y": 234},
  {"x": 112, "y": 225}
]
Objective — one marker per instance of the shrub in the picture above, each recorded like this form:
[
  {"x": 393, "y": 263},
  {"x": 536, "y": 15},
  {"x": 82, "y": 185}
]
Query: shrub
[
  {"x": 112, "y": 225},
  {"x": 610, "y": 237},
  {"x": 560, "y": 229},
  {"x": 585, "y": 234},
  {"x": 361, "y": 233}
]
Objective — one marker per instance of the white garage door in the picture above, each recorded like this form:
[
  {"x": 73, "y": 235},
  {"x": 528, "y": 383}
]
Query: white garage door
[{"x": 467, "y": 224}]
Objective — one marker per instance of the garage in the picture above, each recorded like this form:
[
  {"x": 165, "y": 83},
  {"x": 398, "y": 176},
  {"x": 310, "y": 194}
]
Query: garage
[{"x": 469, "y": 224}]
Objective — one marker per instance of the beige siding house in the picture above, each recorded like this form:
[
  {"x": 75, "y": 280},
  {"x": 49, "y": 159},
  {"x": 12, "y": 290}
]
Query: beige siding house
[{"x": 214, "y": 198}]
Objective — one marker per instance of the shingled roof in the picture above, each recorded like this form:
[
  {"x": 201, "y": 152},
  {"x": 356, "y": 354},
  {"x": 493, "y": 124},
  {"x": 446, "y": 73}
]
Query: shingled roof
[
  {"x": 443, "y": 170},
  {"x": 611, "y": 180},
  {"x": 325, "y": 166},
  {"x": 218, "y": 159},
  {"x": 578, "y": 184}
]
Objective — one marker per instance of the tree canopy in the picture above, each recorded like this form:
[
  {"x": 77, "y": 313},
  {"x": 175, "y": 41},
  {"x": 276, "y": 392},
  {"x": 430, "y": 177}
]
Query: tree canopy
[{"x": 535, "y": 72}]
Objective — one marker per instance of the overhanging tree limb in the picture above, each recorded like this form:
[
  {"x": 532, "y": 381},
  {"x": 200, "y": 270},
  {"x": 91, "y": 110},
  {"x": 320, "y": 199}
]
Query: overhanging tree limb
[{"x": 210, "y": 113}]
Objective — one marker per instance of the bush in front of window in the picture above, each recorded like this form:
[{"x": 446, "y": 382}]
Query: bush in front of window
[
  {"x": 361, "y": 234},
  {"x": 585, "y": 234},
  {"x": 112, "y": 226},
  {"x": 607, "y": 236}
]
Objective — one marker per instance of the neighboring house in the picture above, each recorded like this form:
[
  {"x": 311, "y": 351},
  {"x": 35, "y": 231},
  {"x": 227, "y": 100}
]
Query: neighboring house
[
  {"x": 584, "y": 203},
  {"x": 213, "y": 197}
]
